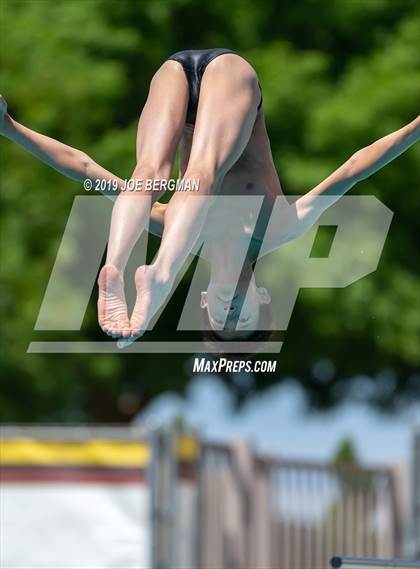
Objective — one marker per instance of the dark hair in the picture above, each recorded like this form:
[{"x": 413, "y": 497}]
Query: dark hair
[{"x": 254, "y": 338}]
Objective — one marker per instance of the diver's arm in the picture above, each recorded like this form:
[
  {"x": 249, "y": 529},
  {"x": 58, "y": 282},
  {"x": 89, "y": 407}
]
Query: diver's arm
[
  {"x": 69, "y": 161},
  {"x": 360, "y": 166},
  {"x": 300, "y": 216}
]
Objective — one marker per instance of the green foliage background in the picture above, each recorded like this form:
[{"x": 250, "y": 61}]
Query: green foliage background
[{"x": 335, "y": 75}]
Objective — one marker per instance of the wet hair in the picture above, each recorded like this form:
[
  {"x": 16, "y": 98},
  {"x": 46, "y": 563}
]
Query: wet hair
[{"x": 254, "y": 338}]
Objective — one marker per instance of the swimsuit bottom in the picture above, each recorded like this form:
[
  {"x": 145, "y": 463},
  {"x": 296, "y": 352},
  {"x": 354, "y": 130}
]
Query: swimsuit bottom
[{"x": 194, "y": 63}]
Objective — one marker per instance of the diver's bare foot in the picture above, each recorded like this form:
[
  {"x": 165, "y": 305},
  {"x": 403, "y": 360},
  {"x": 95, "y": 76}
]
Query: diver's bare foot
[
  {"x": 151, "y": 294},
  {"x": 112, "y": 308}
]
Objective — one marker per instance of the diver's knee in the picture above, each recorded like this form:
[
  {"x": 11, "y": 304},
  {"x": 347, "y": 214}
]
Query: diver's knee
[{"x": 206, "y": 178}]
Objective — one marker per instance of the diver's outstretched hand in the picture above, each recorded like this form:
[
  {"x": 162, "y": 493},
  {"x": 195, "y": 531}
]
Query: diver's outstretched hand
[
  {"x": 3, "y": 106},
  {"x": 3, "y": 113}
]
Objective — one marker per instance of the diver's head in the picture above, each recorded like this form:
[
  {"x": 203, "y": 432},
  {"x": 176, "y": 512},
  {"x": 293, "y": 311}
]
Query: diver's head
[
  {"x": 235, "y": 313},
  {"x": 236, "y": 310},
  {"x": 219, "y": 340}
]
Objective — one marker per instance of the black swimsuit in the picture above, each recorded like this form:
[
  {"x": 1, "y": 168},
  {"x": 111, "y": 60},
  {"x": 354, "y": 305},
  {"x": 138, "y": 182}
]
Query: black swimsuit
[{"x": 194, "y": 62}]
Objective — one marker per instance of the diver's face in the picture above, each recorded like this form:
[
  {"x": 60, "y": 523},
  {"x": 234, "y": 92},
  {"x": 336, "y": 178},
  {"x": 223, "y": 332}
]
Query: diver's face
[{"x": 223, "y": 302}]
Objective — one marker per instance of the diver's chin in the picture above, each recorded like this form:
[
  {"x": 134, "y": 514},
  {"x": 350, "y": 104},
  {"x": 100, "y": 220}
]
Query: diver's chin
[{"x": 224, "y": 290}]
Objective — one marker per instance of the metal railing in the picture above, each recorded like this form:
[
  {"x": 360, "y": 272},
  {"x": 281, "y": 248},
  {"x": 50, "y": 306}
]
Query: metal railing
[{"x": 281, "y": 514}]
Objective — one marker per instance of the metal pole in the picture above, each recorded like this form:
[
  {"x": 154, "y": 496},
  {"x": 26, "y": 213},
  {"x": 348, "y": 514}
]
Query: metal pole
[{"x": 366, "y": 563}]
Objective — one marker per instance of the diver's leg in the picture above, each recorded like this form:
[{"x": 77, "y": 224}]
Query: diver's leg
[
  {"x": 160, "y": 128},
  {"x": 226, "y": 114}
]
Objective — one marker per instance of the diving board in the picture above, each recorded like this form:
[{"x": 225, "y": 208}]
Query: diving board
[{"x": 366, "y": 563}]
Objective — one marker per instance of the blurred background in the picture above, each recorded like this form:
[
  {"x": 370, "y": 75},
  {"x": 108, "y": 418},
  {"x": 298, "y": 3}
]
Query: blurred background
[{"x": 335, "y": 77}]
